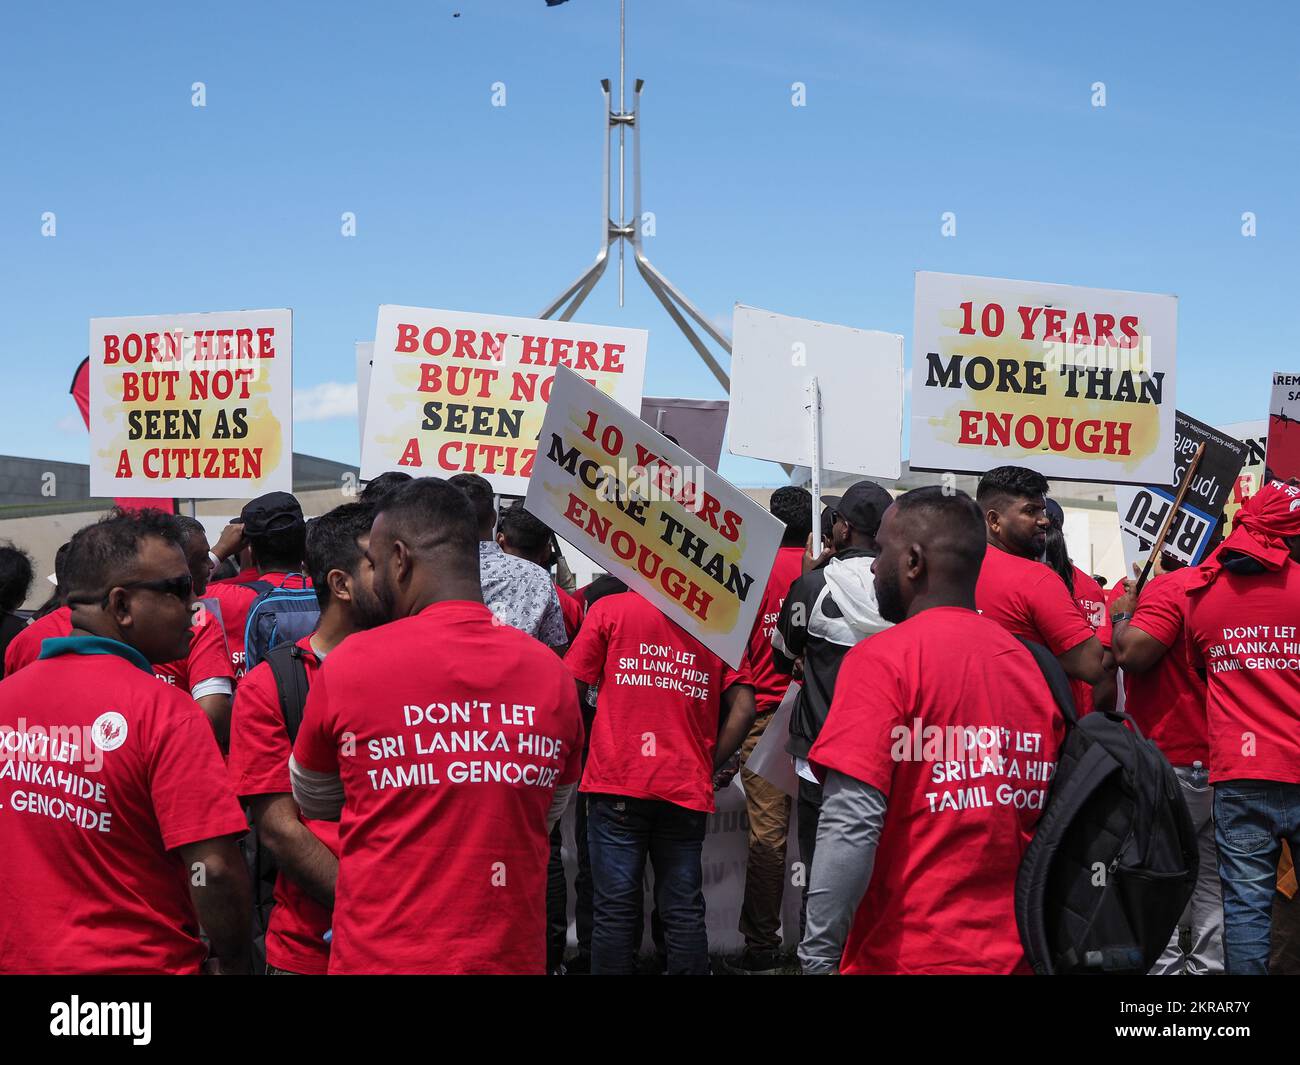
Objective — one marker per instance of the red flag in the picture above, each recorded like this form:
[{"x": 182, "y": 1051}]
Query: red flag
[{"x": 81, "y": 389}]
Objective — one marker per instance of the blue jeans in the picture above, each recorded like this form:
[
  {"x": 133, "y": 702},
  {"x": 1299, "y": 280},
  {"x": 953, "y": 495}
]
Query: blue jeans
[
  {"x": 621, "y": 833},
  {"x": 1251, "y": 818}
]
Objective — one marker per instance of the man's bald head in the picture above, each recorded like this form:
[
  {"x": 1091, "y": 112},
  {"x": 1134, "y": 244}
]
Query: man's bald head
[
  {"x": 932, "y": 544},
  {"x": 424, "y": 547}
]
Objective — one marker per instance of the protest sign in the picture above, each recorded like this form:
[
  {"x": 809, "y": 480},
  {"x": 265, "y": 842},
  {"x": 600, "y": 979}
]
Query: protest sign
[
  {"x": 652, "y": 515},
  {"x": 453, "y": 392},
  {"x": 365, "y": 356},
  {"x": 192, "y": 404},
  {"x": 1282, "y": 460},
  {"x": 698, "y": 425},
  {"x": 769, "y": 759},
  {"x": 859, "y": 375},
  {"x": 1143, "y": 510},
  {"x": 1255, "y": 436},
  {"x": 1076, "y": 383}
]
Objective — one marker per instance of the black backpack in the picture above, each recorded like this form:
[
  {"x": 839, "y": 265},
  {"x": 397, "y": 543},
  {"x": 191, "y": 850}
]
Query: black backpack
[
  {"x": 1113, "y": 861},
  {"x": 290, "y": 674}
]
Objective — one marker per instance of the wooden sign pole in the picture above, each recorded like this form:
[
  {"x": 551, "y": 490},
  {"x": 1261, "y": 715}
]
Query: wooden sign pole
[{"x": 1159, "y": 545}]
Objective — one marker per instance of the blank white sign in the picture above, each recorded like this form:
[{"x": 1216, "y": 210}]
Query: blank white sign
[{"x": 859, "y": 373}]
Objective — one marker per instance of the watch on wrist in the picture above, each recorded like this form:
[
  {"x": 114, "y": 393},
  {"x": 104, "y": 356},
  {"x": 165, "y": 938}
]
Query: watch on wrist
[{"x": 1115, "y": 619}]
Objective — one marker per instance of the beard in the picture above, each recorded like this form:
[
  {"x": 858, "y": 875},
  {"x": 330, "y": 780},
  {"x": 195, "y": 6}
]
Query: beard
[
  {"x": 375, "y": 609},
  {"x": 889, "y": 597}
]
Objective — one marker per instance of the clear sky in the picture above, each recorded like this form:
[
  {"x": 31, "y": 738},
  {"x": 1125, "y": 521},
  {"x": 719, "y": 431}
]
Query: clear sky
[{"x": 822, "y": 211}]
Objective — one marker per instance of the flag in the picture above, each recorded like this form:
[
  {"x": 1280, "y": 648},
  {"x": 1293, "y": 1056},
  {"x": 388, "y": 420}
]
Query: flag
[
  {"x": 80, "y": 392},
  {"x": 80, "y": 389}
]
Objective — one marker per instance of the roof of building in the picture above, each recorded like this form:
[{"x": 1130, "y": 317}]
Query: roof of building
[{"x": 31, "y": 487}]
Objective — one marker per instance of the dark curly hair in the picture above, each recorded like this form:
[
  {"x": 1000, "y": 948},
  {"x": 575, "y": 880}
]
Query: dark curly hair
[{"x": 793, "y": 506}]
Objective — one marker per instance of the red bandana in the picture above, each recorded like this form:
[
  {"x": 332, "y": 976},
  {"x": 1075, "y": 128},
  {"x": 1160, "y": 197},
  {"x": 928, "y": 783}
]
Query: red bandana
[{"x": 1269, "y": 515}]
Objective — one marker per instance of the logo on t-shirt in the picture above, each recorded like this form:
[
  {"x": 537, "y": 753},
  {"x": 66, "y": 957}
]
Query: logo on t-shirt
[{"x": 109, "y": 730}]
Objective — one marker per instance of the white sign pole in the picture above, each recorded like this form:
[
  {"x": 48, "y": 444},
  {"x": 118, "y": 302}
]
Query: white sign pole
[{"x": 815, "y": 416}]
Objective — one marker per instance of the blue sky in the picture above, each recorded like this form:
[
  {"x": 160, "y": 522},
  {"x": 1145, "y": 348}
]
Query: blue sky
[{"x": 823, "y": 211}]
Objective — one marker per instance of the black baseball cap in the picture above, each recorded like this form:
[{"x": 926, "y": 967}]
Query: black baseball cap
[
  {"x": 862, "y": 506},
  {"x": 275, "y": 512}
]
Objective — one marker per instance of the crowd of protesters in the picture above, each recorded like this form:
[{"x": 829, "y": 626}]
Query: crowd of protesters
[{"x": 377, "y": 786}]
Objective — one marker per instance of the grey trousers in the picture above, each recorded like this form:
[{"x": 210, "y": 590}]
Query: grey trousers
[{"x": 1201, "y": 926}]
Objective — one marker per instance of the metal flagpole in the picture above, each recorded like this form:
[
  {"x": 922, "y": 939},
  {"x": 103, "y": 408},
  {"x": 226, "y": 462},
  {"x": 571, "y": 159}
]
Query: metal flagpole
[{"x": 625, "y": 229}]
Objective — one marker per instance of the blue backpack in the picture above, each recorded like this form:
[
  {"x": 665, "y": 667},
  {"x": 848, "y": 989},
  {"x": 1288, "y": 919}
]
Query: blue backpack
[{"x": 278, "y": 615}]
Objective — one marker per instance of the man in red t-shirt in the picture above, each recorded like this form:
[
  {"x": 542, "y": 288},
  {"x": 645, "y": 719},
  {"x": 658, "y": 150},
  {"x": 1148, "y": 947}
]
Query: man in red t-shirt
[
  {"x": 273, "y": 529},
  {"x": 113, "y": 795},
  {"x": 261, "y": 740},
  {"x": 936, "y": 757},
  {"x": 204, "y": 672},
  {"x": 1015, "y": 590},
  {"x": 1243, "y": 631},
  {"x": 670, "y": 714},
  {"x": 448, "y": 743},
  {"x": 1167, "y": 700},
  {"x": 767, "y": 806}
]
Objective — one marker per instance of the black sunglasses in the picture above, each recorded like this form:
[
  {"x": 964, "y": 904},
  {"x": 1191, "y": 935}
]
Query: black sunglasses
[{"x": 181, "y": 587}]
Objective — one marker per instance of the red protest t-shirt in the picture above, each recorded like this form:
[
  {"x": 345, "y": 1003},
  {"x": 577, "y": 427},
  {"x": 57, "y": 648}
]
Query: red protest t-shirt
[
  {"x": 208, "y": 657},
  {"x": 1168, "y": 701},
  {"x": 455, "y": 732},
  {"x": 259, "y": 765},
  {"x": 572, "y": 608},
  {"x": 233, "y": 602},
  {"x": 1029, "y": 600},
  {"x": 92, "y": 881},
  {"x": 960, "y": 813},
  {"x": 769, "y": 685},
  {"x": 656, "y": 723},
  {"x": 1242, "y": 631},
  {"x": 1091, "y": 602},
  {"x": 25, "y": 648},
  {"x": 1090, "y": 599},
  {"x": 248, "y": 573}
]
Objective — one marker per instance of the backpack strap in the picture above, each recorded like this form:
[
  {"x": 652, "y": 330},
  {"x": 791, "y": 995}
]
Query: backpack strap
[
  {"x": 260, "y": 586},
  {"x": 271, "y": 593},
  {"x": 290, "y": 673}
]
